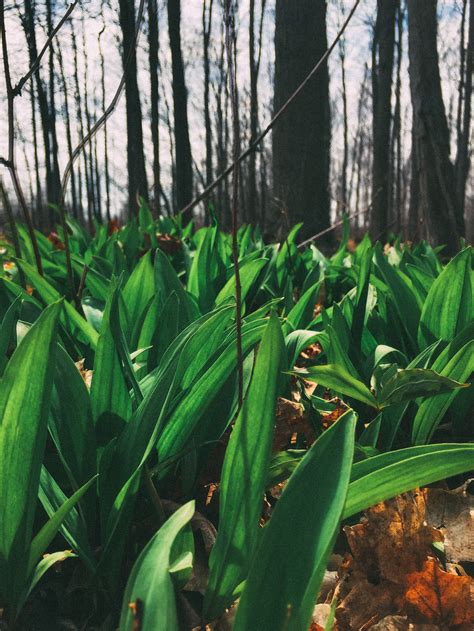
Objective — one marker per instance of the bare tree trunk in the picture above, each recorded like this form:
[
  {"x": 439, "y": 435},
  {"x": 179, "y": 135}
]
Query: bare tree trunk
[
  {"x": 39, "y": 192},
  {"x": 153, "y": 48},
  {"x": 184, "y": 161},
  {"x": 301, "y": 139},
  {"x": 49, "y": 134},
  {"x": 206, "y": 37},
  {"x": 463, "y": 158},
  {"x": 106, "y": 147},
  {"x": 382, "y": 66},
  {"x": 433, "y": 170},
  {"x": 67, "y": 123},
  {"x": 90, "y": 166},
  {"x": 137, "y": 183},
  {"x": 343, "y": 201}
]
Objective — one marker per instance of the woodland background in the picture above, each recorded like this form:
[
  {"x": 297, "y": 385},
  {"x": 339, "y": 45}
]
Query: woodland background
[{"x": 382, "y": 131}]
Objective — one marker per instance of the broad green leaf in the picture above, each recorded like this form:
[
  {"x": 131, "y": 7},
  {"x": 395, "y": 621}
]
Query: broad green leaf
[
  {"x": 288, "y": 567},
  {"x": 149, "y": 586},
  {"x": 302, "y": 313},
  {"x": 411, "y": 383},
  {"x": 70, "y": 421},
  {"x": 243, "y": 476},
  {"x": 339, "y": 380},
  {"x": 431, "y": 411},
  {"x": 25, "y": 391},
  {"x": 404, "y": 300},
  {"x": 387, "y": 475},
  {"x": 7, "y": 330},
  {"x": 448, "y": 307},
  {"x": 73, "y": 527},
  {"x": 51, "y": 527},
  {"x": 249, "y": 273},
  {"x": 109, "y": 393},
  {"x": 137, "y": 293},
  {"x": 69, "y": 318}
]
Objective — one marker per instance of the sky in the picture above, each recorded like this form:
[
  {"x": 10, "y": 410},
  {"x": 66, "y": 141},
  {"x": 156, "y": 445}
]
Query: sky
[{"x": 93, "y": 17}]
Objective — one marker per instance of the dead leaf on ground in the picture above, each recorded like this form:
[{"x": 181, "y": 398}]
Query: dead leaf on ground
[
  {"x": 439, "y": 597},
  {"x": 394, "y": 540},
  {"x": 453, "y": 513},
  {"x": 290, "y": 419},
  {"x": 85, "y": 373}
]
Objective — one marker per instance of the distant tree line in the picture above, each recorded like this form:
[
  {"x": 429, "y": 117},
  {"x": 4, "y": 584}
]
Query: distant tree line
[{"x": 298, "y": 175}]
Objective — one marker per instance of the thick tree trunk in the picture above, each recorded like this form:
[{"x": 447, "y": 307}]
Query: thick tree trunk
[
  {"x": 301, "y": 138},
  {"x": 433, "y": 185},
  {"x": 382, "y": 66},
  {"x": 137, "y": 184},
  {"x": 184, "y": 161}
]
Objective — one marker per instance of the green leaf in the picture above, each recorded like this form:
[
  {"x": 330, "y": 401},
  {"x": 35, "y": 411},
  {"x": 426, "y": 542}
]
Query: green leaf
[
  {"x": 249, "y": 273},
  {"x": 73, "y": 528},
  {"x": 137, "y": 293},
  {"x": 448, "y": 306},
  {"x": 109, "y": 392},
  {"x": 7, "y": 330},
  {"x": 282, "y": 465},
  {"x": 381, "y": 477},
  {"x": 431, "y": 411},
  {"x": 25, "y": 391},
  {"x": 149, "y": 586},
  {"x": 243, "y": 476},
  {"x": 302, "y": 313},
  {"x": 69, "y": 318},
  {"x": 411, "y": 383},
  {"x": 281, "y": 588},
  {"x": 404, "y": 299},
  {"x": 339, "y": 380},
  {"x": 51, "y": 527}
]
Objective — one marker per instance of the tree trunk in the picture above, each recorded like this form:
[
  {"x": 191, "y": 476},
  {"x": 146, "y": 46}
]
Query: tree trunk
[
  {"x": 464, "y": 117},
  {"x": 206, "y": 37},
  {"x": 382, "y": 66},
  {"x": 137, "y": 184},
  {"x": 433, "y": 181},
  {"x": 184, "y": 161},
  {"x": 301, "y": 138},
  {"x": 153, "y": 47}
]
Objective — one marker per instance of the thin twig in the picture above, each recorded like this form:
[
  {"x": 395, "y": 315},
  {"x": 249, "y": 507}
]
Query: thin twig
[
  {"x": 19, "y": 86},
  {"x": 253, "y": 145},
  {"x": 230, "y": 45}
]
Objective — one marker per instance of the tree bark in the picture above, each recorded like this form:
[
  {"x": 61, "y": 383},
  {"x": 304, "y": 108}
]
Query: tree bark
[
  {"x": 433, "y": 183},
  {"x": 184, "y": 161},
  {"x": 382, "y": 67},
  {"x": 463, "y": 160},
  {"x": 301, "y": 139},
  {"x": 153, "y": 47},
  {"x": 137, "y": 183}
]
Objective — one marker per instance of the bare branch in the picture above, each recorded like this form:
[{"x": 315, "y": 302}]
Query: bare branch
[
  {"x": 19, "y": 86},
  {"x": 253, "y": 145}
]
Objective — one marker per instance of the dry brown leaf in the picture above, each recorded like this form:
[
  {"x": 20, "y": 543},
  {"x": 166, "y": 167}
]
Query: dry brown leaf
[
  {"x": 85, "y": 374},
  {"x": 401, "y": 623},
  {"x": 394, "y": 540},
  {"x": 439, "y": 597},
  {"x": 290, "y": 419},
  {"x": 453, "y": 513}
]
